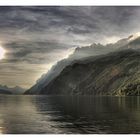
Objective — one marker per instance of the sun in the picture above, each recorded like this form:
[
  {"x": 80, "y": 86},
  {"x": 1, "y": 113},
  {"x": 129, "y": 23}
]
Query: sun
[{"x": 2, "y": 52}]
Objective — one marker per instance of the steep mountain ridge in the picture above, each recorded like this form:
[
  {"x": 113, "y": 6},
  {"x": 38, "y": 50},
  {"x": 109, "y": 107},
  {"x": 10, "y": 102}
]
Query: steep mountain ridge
[
  {"x": 82, "y": 53},
  {"x": 106, "y": 75},
  {"x": 79, "y": 53}
]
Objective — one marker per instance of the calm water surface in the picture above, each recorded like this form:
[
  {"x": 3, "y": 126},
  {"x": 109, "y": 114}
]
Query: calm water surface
[{"x": 69, "y": 115}]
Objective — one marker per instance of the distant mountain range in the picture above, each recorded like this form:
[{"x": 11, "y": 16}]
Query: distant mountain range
[
  {"x": 5, "y": 91},
  {"x": 15, "y": 90},
  {"x": 95, "y": 69}
]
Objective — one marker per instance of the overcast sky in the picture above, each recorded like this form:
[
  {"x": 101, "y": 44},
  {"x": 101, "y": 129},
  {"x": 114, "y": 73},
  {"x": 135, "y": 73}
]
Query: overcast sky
[{"x": 37, "y": 37}]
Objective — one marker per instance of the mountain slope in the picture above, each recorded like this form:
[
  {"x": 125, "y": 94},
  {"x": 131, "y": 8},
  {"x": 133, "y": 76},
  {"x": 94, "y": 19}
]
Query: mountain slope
[
  {"x": 82, "y": 53},
  {"x": 79, "y": 53},
  {"x": 111, "y": 74}
]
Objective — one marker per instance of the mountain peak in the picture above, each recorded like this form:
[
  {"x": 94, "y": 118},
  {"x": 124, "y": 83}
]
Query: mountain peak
[{"x": 134, "y": 36}]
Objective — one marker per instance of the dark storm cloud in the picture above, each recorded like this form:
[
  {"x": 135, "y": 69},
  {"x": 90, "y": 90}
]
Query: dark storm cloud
[
  {"x": 50, "y": 27},
  {"x": 74, "y": 18},
  {"x": 37, "y": 37}
]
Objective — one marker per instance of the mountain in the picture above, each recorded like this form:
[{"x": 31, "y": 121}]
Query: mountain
[
  {"x": 116, "y": 73},
  {"x": 4, "y": 91},
  {"x": 15, "y": 90},
  {"x": 81, "y": 53}
]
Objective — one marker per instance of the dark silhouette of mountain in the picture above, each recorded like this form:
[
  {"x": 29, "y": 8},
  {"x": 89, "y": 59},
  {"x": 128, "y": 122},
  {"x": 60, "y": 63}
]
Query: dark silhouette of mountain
[
  {"x": 17, "y": 90},
  {"x": 82, "y": 53},
  {"x": 4, "y": 91},
  {"x": 14, "y": 90}
]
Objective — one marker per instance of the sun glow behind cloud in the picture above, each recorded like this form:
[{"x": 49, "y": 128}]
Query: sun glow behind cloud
[{"x": 2, "y": 52}]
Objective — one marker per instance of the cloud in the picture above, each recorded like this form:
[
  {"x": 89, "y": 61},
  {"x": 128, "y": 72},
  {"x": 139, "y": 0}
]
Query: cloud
[
  {"x": 37, "y": 37},
  {"x": 35, "y": 52}
]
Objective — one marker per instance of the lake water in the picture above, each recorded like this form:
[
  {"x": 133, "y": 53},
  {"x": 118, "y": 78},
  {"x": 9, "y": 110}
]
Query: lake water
[{"x": 69, "y": 115}]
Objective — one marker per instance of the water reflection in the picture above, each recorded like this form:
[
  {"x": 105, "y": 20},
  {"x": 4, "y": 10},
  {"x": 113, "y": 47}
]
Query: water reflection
[
  {"x": 87, "y": 114},
  {"x": 69, "y": 114}
]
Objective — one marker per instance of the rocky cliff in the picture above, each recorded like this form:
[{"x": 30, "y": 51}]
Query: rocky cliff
[{"x": 116, "y": 73}]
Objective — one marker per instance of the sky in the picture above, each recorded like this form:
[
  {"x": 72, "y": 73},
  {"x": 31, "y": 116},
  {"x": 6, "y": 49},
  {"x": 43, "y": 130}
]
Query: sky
[{"x": 35, "y": 38}]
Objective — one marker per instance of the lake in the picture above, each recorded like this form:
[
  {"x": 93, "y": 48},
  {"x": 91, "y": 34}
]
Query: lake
[{"x": 21, "y": 114}]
